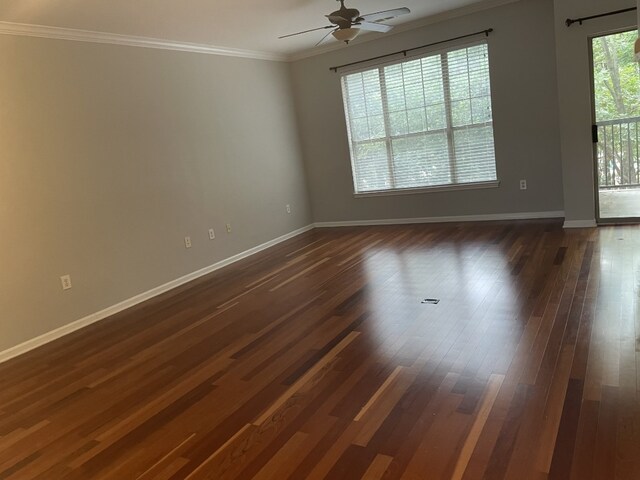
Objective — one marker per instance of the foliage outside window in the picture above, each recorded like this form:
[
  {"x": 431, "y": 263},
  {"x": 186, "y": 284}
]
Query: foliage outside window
[
  {"x": 423, "y": 122},
  {"x": 616, "y": 76}
]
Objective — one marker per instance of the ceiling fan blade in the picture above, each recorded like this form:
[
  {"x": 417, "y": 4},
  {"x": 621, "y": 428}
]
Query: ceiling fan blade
[
  {"x": 375, "y": 27},
  {"x": 307, "y": 31},
  {"x": 323, "y": 39},
  {"x": 384, "y": 15}
]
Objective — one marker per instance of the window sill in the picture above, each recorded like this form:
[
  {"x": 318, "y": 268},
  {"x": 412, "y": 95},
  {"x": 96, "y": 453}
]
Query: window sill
[{"x": 433, "y": 189}]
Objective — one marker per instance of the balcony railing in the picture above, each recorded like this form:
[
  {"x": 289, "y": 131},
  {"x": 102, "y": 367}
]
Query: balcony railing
[{"x": 619, "y": 153}]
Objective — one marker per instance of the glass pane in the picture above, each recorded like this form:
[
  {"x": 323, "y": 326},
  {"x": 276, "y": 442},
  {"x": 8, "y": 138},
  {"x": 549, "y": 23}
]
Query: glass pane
[
  {"x": 480, "y": 81},
  {"x": 376, "y": 127},
  {"x": 417, "y": 120},
  {"x": 353, "y": 84},
  {"x": 413, "y": 89},
  {"x": 398, "y": 123},
  {"x": 372, "y": 92},
  {"x": 394, "y": 88},
  {"x": 433, "y": 83},
  {"x": 481, "y": 108},
  {"x": 616, "y": 77},
  {"x": 461, "y": 113},
  {"x": 355, "y": 95},
  {"x": 437, "y": 117},
  {"x": 421, "y": 160},
  {"x": 371, "y": 167},
  {"x": 475, "y": 156},
  {"x": 360, "y": 129},
  {"x": 458, "y": 74}
]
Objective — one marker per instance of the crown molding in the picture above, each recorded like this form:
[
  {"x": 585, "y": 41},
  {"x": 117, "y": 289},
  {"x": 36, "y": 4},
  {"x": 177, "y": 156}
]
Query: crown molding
[
  {"x": 405, "y": 27},
  {"x": 59, "y": 33}
]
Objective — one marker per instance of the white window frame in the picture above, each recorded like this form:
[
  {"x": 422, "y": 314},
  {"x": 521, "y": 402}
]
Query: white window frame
[{"x": 449, "y": 129}]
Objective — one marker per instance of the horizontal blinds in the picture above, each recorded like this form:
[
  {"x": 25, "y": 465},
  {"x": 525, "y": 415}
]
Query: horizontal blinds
[{"x": 422, "y": 122}]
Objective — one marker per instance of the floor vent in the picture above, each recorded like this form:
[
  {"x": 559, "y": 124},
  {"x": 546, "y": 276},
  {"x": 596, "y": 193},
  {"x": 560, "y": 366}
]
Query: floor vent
[{"x": 431, "y": 301}]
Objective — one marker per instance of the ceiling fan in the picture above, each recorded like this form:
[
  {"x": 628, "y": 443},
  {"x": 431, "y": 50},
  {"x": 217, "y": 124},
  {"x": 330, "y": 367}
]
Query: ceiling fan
[{"x": 346, "y": 23}]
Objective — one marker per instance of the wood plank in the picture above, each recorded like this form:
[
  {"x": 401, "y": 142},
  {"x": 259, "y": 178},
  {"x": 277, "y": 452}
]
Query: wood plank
[
  {"x": 493, "y": 387},
  {"x": 377, "y": 468},
  {"x": 378, "y": 393}
]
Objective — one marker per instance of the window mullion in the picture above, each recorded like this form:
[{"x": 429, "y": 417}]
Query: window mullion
[
  {"x": 387, "y": 134},
  {"x": 447, "y": 107}
]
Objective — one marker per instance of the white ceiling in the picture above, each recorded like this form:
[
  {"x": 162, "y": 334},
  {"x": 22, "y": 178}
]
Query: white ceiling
[{"x": 241, "y": 24}]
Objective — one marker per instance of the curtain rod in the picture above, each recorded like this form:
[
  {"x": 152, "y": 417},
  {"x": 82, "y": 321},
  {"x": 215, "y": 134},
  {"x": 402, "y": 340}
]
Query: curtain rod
[
  {"x": 571, "y": 21},
  {"x": 404, "y": 52}
]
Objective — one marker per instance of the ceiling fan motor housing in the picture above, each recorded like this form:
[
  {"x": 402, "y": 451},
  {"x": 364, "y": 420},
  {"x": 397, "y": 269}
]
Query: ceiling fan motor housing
[{"x": 344, "y": 17}]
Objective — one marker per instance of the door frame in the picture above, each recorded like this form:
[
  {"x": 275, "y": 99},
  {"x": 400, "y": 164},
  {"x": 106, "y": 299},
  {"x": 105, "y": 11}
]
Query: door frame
[{"x": 596, "y": 186}]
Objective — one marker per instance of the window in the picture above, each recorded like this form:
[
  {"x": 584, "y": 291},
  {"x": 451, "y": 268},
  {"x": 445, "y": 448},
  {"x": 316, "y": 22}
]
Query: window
[{"x": 421, "y": 123}]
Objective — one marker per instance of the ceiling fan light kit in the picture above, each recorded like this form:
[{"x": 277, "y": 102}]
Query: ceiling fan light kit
[
  {"x": 346, "y": 34},
  {"x": 346, "y": 23}
]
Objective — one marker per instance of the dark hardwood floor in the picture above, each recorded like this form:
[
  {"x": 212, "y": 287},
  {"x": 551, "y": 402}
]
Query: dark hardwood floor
[{"x": 316, "y": 359}]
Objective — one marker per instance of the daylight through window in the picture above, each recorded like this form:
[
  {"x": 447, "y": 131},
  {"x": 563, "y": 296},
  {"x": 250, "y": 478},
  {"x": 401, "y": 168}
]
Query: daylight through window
[{"x": 423, "y": 122}]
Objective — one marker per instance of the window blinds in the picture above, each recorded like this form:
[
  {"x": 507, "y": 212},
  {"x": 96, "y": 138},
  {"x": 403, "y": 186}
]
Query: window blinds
[{"x": 421, "y": 122}]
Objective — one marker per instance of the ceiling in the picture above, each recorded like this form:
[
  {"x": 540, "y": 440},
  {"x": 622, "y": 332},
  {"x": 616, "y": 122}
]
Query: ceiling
[{"x": 241, "y": 24}]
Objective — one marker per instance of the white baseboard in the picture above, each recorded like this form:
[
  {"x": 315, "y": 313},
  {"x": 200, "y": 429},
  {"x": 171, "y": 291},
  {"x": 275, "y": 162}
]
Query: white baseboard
[
  {"x": 580, "y": 223},
  {"x": 107, "y": 312},
  {"x": 459, "y": 218}
]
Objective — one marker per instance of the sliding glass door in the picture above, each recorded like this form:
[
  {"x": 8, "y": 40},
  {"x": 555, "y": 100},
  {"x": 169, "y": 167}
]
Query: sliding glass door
[{"x": 616, "y": 91}]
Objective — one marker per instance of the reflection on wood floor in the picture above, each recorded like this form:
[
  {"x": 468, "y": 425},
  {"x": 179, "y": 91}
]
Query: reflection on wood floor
[{"x": 316, "y": 359}]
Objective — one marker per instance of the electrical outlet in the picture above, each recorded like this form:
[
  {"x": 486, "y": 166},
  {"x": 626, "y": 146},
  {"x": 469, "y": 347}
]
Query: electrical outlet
[
  {"x": 187, "y": 242},
  {"x": 228, "y": 228},
  {"x": 523, "y": 184},
  {"x": 66, "y": 282},
  {"x": 212, "y": 234},
  {"x": 288, "y": 208}
]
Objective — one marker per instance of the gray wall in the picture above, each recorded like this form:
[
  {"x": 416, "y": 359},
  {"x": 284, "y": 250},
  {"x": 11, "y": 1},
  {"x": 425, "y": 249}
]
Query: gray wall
[
  {"x": 525, "y": 101},
  {"x": 574, "y": 88},
  {"x": 111, "y": 155}
]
